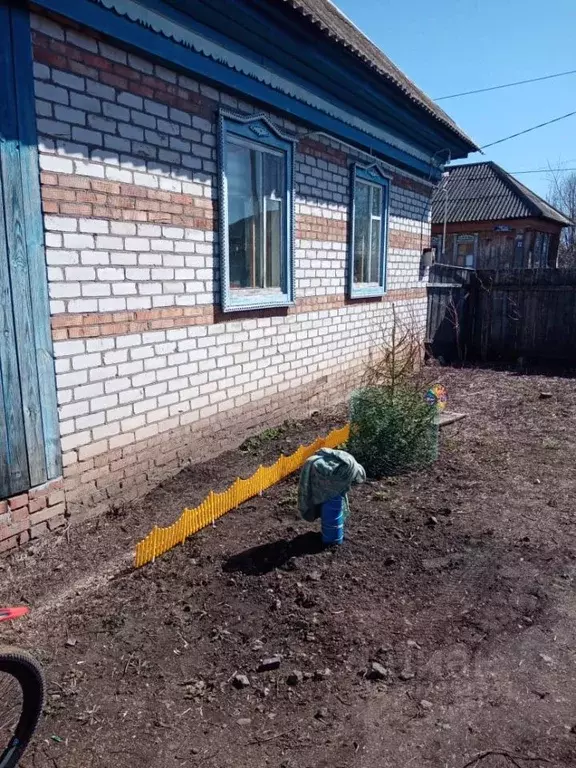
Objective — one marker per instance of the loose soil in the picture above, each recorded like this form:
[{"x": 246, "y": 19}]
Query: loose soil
[{"x": 458, "y": 580}]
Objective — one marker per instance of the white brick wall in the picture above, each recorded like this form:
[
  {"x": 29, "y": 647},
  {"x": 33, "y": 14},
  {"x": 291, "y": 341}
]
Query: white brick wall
[
  {"x": 114, "y": 391},
  {"x": 85, "y": 128},
  {"x": 91, "y": 129},
  {"x": 320, "y": 268},
  {"x": 119, "y": 390},
  {"x": 323, "y": 182},
  {"x": 126, "y": 265}
]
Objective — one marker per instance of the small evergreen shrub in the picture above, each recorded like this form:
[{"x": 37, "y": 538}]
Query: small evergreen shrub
[{"x": 392, "y": 429}]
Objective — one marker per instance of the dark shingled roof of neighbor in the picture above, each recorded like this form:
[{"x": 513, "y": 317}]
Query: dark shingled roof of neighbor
[{"x": 486, "y": 192}]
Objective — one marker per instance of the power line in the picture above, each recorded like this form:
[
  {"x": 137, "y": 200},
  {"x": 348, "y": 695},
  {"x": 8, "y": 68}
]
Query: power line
[
  {"x": 527, "y": 130},
  {"x": 506, "y": 85},
  {"x": 542, "y": 170}
]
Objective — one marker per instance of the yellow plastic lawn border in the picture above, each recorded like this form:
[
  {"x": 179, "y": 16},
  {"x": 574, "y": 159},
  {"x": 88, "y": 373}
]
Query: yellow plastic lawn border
[{"x": 160, "y": 540}]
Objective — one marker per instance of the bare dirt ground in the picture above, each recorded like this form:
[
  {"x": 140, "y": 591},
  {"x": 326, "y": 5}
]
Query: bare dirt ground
[{"x": 459, "y": 581}]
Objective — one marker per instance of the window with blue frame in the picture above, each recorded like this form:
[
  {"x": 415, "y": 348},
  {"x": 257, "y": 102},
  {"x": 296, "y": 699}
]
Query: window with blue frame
[
  {"x": 256, "y": 213},
  {"x": 369, "y": 230}
]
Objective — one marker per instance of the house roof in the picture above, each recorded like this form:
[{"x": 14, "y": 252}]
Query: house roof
[
  {"x": 485, "y": 192},
  {"x": 330, "y": 20}
]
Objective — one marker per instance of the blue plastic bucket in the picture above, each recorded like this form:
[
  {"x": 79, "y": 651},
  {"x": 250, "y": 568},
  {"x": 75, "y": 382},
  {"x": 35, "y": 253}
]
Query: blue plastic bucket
[{"x": 332, "y": 520}]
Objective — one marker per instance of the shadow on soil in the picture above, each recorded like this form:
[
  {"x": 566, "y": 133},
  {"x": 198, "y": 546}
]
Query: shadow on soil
[{"x": 277, "y": 554}]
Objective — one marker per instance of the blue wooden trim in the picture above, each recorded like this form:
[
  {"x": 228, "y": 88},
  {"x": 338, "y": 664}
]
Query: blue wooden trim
[
  {"x": 37, "y": 271},
  {"x": 16, "y": 237},
  {"x": 284, "y": 46},
  {"x": 31, "y": 444},
  {"x": 14, "y": 475},
  {"x": 375, "y": 175},
  {"x": 341, "y": 74},
  {"x": 138, "y": 27},
  {"x": 259, "y": 130}
]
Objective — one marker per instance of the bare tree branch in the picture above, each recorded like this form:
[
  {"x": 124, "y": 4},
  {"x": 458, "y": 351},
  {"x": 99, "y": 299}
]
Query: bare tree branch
[{"x": 562, "y": 195}]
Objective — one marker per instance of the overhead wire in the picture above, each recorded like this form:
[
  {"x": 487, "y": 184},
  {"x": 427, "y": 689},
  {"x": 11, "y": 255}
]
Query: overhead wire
[
  {"x": 528, "y": 130},
  {"x": 506, "y": 85},
  {"x": 542, "y": 170}
]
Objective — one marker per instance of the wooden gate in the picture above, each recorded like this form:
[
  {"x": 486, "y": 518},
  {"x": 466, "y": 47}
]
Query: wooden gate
[
  {"x": 29, "y": 444},
  {"x": 449, "y": 312}
]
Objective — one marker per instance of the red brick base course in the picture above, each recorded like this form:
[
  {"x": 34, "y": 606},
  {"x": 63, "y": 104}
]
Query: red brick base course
[{"x": 31, "y": 514}]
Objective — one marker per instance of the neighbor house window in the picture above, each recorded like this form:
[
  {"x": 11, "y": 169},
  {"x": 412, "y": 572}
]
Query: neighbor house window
[
  {"x": 369, "y": 227},
  {"x": 436, "y": 242},
  {"x": 540, "y": 250},
  {"x": 256, "y": 214},
  {"x": 465, "y": 250},
  {"x": 545, "y": 250}
]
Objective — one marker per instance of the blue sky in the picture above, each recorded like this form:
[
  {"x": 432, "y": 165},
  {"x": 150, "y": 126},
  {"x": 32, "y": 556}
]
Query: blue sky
[{"x": 448, "y": 46}]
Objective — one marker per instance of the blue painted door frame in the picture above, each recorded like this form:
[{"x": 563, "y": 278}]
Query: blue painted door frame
[{"x": 29, "y": 443}]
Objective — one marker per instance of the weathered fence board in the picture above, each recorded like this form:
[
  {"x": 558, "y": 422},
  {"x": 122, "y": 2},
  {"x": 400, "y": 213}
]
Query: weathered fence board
[
  {"x": 448, "y": 317},
  {"x": 528, "y": 313},
  {"x": 503, "y": 315}
]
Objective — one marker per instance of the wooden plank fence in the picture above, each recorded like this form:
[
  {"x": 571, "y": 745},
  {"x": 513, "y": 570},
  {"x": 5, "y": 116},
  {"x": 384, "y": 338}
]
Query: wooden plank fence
[
  {"x": 448, "y": 312},
  {"x": 502, "y": 315}
]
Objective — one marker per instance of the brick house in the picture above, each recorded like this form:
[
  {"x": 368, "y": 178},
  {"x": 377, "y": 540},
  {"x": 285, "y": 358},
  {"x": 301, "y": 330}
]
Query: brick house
[
  {"x": 209, "y": 208},
  {"x": 493, "y": 221}
]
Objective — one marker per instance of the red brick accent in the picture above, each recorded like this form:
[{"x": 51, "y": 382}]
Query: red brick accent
[
  {"x": 414, "y": 186},
  {"x": 331, "y": 155},
  {"x": 316, "y": 303},
  {"x": 26, "y": 515},
  {"x": 37, "y": 504},
  {"x": 66, "y": 194},
  {"x": 317, "y": 149},
  {"x": 18, "y": 501},
  {"x": 96, "y": 324},
  {"x": 70, "y": 58},
  {"x": 309, "y": 227},
  {"x": 319, "y": 228},
  {"x": 7, "y": 531},
  {"x": 76, "y": 326},
  {"x": 82, "y": 196},
  {"x": 407, "y": 240},
  {"x": 20, "y": 514}
]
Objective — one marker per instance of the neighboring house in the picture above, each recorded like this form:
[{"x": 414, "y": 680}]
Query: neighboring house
[
  {"x": 231, "y": 196},
  {"x": 493, "y": 221}
]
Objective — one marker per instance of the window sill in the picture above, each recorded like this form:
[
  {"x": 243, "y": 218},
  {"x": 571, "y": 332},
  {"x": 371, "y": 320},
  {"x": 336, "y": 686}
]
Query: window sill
[
  {"x": 369, "y": 290},
  {"x": 256, "y": 300}
]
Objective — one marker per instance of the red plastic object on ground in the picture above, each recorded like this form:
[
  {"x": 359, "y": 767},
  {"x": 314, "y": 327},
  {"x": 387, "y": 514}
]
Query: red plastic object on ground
[
  {"x": 7, "y": 614},
  {"x": 21, "y": 696}
]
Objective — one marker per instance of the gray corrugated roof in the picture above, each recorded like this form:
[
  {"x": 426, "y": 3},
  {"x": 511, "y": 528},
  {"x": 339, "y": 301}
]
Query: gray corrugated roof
[
  {"x": 336, "y": 25},
  {"x": 485, "y": 192}
]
